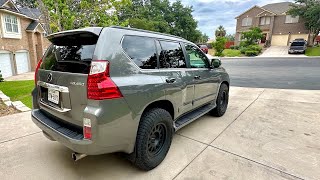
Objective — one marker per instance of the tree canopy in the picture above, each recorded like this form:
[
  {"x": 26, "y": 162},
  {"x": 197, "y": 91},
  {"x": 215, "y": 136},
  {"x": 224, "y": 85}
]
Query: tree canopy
[
  {"x": 155, "y": 15},
  {"x": 252, "y": 36},
  {"x": 162, "y": 16},
  {"x": 220, "y": 32},
  {"x": 310, "y": 11}
]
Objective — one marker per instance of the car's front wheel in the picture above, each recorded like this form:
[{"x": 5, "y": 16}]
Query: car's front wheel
[
  {"x": 153, "y": 139},
  {"x": 221, "y": 102}
]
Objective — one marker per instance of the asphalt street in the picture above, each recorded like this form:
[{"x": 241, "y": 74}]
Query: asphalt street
[{"x": 271, "y": 72}]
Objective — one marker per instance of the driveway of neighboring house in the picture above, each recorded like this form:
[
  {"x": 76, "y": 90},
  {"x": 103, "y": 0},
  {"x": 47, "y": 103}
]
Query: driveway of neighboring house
[
  {"x": 265, "y": 134},
  {"x": 279, "y": 51},
  {"x": 21, "y": 77}
]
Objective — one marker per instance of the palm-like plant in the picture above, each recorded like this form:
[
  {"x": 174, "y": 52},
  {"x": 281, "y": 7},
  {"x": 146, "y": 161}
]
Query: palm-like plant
[{"x": 220, "y": 32}]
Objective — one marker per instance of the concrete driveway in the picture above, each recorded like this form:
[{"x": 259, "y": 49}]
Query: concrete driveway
[
  {"x": 279, "y": 51},
  {"x": 21, "y": 77},
  {"x": 265, "y": 134}
]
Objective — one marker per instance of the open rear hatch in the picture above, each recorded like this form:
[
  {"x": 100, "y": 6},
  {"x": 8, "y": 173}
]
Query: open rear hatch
[{"x": 62, "y": 75}]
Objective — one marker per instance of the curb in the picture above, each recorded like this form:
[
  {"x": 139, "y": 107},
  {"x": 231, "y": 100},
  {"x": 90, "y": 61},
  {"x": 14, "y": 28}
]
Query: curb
[{"x": 18, "y": 105}]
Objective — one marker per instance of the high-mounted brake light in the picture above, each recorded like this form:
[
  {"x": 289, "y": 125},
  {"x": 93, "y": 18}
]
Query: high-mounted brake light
[
  {"x": 36, "y": 71},
  {"x": 100, "y": 85},
  {"x": 87, "y": 134}
]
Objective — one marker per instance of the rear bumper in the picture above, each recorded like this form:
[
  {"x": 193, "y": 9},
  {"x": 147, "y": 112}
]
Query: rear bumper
[{"x": 74, "y": 140}]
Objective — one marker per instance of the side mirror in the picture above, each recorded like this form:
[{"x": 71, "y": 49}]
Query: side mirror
[{"x": 215, "y": 63}]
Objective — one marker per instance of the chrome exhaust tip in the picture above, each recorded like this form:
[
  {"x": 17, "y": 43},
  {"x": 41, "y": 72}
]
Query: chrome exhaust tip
[{"x": 77, "y": 156}]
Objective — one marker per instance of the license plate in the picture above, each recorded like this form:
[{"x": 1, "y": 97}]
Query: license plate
[{"x": 53, "y": 96}]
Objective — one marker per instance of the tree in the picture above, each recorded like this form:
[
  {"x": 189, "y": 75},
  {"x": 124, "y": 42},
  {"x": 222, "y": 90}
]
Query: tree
[
  {"x": 219, "y": 45},
  {"x": 204, "y": 38},
  {"x": 69, "y": 14},
  {"x": 310, "y": 11},
  {"x": 220, "y": 32},
  {"x": 252, "y": 36},
  {"x": 162, "y": 16},
  {"x": 230, "y": 37}
]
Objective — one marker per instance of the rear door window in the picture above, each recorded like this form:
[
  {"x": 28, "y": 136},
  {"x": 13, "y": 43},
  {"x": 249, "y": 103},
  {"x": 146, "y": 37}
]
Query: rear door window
[
  {"x": 70, "y": 53},
  {"x": 141, "y": 50},
  {"x": 171, "y": 55}
]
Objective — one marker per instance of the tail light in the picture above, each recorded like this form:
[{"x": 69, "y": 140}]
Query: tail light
[
  {"x": 87, "y": 128},
  {"x": 36, "y": 71},
  {"x": 100, "y": 85}
]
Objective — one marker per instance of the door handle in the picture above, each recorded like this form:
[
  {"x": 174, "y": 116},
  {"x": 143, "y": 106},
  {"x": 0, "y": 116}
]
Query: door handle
[
  {"x": 197, "y": 77},
  {"x": 170, "y": 80}
]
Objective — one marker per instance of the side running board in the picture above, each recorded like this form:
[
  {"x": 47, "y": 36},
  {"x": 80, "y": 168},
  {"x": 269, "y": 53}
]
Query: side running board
[{"x": 193, "y": 115}]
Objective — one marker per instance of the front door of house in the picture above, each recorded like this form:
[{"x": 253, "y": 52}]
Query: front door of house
[{"x": 264, "y": 38}]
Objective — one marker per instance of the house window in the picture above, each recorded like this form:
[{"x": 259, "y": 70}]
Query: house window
[
  {"x": 291, "y": 19},
  {"x": 265, "y": 20},
  {"x": 247, "y": 21},
  {"x": 11, "y": 24}
]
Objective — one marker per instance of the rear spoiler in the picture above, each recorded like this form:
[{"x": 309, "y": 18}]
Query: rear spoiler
[{"x": 93, "y": 30}]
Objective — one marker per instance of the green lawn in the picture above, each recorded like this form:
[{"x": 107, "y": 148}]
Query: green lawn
[
  {"x": 18, "y": 91},
  {"x": 231, "y": 53},
  {"x": 313, "y": 51}
]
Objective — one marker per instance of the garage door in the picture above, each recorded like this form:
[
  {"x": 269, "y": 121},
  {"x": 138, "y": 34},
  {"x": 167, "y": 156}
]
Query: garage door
[
  {"x": 299, "y": 36},
  {"x": 279, "y": 40},
  {"x": 5, "y": 65},
  {"x": 22, "y": 61}
]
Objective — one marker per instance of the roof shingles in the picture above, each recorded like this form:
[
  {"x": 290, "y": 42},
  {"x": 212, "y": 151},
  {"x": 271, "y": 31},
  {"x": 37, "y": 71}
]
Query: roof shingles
[
  {"x": 2, "y": 2},
  {"x": 278, "y": 8}
]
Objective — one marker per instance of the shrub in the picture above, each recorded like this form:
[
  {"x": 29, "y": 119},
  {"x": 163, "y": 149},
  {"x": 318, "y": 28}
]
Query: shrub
[
  {"x": 1, "y": 78},
  {"x": 231, "y": 53},
  {"x": 243, "y": 49},
  {"x": 255, "y": 48},
  {"x": 218, "y": 54},
  {"x": 234, "y": 47},
  {"x": 219, "y": 45},
  {"x": 251, "y": 53},
  {"x": 244, "y": 44}
]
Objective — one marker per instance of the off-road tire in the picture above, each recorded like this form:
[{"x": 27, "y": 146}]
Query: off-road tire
[
  {"x": 221, "y": 107},
  {"x": 152, "y": 119}
]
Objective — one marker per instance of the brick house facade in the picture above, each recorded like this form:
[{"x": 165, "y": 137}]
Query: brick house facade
[
  {"x": 278, "y": 27},
  {"x": 22, "y": 41}
]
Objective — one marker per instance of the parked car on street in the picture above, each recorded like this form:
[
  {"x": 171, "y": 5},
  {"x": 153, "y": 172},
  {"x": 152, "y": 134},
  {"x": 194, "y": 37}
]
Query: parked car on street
[
  {"x": 204, "y": 48},
  {"x": 115, "y": 89},
  {"x": 298, "y": 46}
]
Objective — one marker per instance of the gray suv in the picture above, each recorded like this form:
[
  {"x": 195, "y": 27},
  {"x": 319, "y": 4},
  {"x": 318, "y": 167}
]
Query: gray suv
[{"x": 114, "y": 89}]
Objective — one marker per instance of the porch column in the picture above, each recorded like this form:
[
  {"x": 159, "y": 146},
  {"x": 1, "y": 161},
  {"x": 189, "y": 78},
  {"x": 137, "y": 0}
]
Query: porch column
[
  {"x": 271, "y": 29},
  {"x": 32, "y": 50}
]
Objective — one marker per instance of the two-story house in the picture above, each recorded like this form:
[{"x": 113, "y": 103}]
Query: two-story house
[
  {"x": 22, "y": 41},
  {"x": 278, "y": 27}
]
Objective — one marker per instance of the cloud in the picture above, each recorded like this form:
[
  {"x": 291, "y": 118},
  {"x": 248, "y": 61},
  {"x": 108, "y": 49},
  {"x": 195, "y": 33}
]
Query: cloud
[{"x": 212, "y": 13}]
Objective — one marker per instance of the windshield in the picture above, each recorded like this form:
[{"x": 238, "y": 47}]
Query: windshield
[{"x": 297, "y": 43}]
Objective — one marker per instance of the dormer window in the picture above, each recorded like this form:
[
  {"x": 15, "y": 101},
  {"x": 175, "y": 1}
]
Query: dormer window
[
  {"x": 247, "y": 21},
  {"x": 11, "y": 24}
]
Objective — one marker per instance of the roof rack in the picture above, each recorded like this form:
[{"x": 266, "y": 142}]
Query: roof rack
[{"x": 141, "y": 30}]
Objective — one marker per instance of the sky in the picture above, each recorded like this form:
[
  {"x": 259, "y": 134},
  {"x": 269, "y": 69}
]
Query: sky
[{"x": 212, "y": 13}]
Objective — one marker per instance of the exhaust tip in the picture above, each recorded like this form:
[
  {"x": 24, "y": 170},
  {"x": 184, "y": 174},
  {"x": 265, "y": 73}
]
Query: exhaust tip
[{"x": 76, "y": 156}]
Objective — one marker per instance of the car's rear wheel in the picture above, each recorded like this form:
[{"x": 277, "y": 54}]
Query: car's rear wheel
[
  {"x": 221, "y": 102},
  {"x": 153, "y": 139}
]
